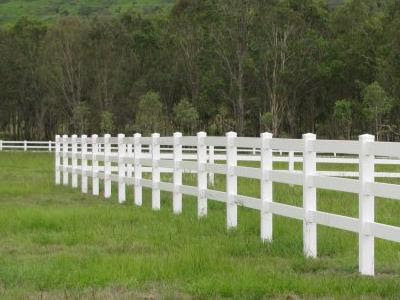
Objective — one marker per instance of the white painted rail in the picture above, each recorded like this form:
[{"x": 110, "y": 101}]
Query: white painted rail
[{"x": 100, "y": 160}]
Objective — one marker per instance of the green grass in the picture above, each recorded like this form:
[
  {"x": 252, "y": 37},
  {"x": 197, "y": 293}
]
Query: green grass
[
  {"x": 48, "y": 10},
  {"x": 58, "y": 243}
]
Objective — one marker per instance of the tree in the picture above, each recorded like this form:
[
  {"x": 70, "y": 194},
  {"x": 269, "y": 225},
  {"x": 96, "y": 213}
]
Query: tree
[
  {"x": 186, "y": 116},
  {"x": 149, "y": 116},
  {"x": 106, "y": 122},
  {"x": 232, "y": 40},
  {"x": 376, "y": 104},
  {"x": 343, "y": 113}
]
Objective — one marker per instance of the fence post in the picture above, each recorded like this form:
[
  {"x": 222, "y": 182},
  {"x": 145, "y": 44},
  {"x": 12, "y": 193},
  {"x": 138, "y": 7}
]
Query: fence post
[
  {"x": 58, "y": 160},
  {"x": 49, "y": 146},
  {"x": 65, "y": 159},
  {"x": 231, "y": 180},
  {"x": 291, "y": 163},
  {"x": 25, "y": 145},
  {"x": 107, "y": 166},
  {"x": 74, "y": 161},
  {"x": 155, "y": 154},
  {"x": 177, "y": 195},
  {"x": 266, "y": 187},
  {"x": 138, "y": 168},
  {"x": 95, "y": 166},
  {"x": 201, "y": 175},
  {"x": 211, "y": 160},
  {"x": 309, "y": 197},
  {"x": 1, "y": 145},
  {"x": 129, "y": 154},
  {"x": 366, "y": 207},
  {"x": 121, "y": 168},
  {"x": 84, "y": 181}
]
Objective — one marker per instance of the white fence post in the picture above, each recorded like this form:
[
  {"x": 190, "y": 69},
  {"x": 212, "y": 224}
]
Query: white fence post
[
  {"x": 138, "y": 169},
  {"x": 177, "y": 195},
  {"x": 95, "y": 166},
  {"x": 49, "y": 146},
  {"x": 25, "y": 145},
  {"x": 107, "y": 166},
  {"x": 121, "y": 168},
  {"x": 65, "y": 159},
  {"x": 211, "y": 176},
  {"x": 129, "y": 154},
  {"x": 74, "y": 148},
  {"x": 201, "y": 175},
  {"x": 366, "y": 207},
  {"x": 266, "y": 187},
  {"x": 291, "y": 162},
  {"x": 155, "y": 154},
  {"x": 84, "y": 181},
  {"x": 58, "y": 160},
  {"x": 1, "y": 145},
  {"x": 309, "y": 197},
  {"x": 231, "y": 180}
]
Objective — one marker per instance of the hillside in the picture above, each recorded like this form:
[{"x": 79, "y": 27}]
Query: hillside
[{"x": 10, "y": 10}]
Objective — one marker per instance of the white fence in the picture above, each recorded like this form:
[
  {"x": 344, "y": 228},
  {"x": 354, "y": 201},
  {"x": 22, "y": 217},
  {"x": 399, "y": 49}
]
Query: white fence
[
  {"x": 132, "y": 159},
  {"x": 219, "y": 153},
  {"x": 27, "y": 145}
]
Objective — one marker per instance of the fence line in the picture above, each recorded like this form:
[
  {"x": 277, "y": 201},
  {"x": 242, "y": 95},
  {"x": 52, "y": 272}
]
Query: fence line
[
  {"x": 131, "y": 161},
  {"x": 219, "y": 154}
]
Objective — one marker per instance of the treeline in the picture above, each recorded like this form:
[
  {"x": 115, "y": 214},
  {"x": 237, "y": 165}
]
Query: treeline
[{"x": 284, "y": 66}]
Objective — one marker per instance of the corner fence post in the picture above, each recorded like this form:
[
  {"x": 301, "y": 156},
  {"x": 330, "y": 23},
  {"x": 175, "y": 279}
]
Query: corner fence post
[
  {"x": 107, "y": 166},
  {"x": 137, "y": 168},
  {"x": 266, "y": 187},
  {"x": 95, "y": 165},
  {"x": 121, "y": 168},
  {"x": 177, "y": 195},
  {"x": 74, "y": 148},
  {"x": 58, "y": 160},
  {"x": 65, "y": 159},
  {"x": 155, "y": 153},
  {"x": 211, "y": 160},
  {"x": 366, "y": 207},
  {"x": 201, "y": 175},
  {"x": 231, "y": 180},
  {"x": 84, "y": 181},
  {"x": 309, "y": 197}
]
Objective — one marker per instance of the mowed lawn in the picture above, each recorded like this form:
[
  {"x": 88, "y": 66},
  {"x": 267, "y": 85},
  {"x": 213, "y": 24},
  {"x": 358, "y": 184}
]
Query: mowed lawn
[{"x": 58, "y": 243}]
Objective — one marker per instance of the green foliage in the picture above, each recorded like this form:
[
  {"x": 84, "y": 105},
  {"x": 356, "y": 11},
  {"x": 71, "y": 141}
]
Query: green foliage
[
  {"x": 50, "y": 10},
  {"x": 266, "y": 121},
  {"x": 233, "y": 59},
  {"x": 106, "y": 122},
  {"x": 81, "y": 114},
  {"x": 375, "y": 100},
  {"x": 186, "y": 116},
  {"x": 376, "y": 104},
  {"x": 149, "y": 115},
  {"x": 343, "y": 113}
]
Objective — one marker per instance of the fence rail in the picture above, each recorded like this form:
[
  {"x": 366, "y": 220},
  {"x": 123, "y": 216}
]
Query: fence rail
[
  {"x": 217, "y": 152},
  {"x": 132, "y": 158}
]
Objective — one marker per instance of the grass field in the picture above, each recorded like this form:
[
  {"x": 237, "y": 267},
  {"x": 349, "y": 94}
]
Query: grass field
[
  {"x": 49, "y": 10},
  {"x": 58, "y": 243}
]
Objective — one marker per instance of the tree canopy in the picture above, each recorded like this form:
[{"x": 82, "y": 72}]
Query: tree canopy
[{"x": 286, "y": 66}]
